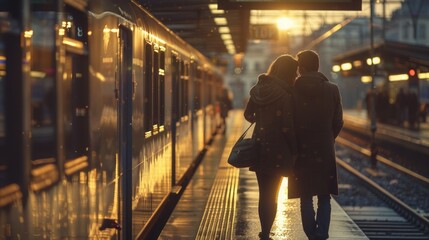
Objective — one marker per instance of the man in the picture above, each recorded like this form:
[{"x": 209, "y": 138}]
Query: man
[{"x": 318, "y": 121}]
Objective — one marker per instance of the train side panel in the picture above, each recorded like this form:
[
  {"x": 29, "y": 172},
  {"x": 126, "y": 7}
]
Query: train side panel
[{"x": 117, "y": 111}]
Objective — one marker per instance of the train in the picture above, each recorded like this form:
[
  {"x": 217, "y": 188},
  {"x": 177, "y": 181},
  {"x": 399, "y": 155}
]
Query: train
[{"x": 104, "y": 113}]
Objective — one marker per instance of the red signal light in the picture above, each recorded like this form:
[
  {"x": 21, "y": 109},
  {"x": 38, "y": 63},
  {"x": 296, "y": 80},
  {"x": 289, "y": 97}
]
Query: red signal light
[{"x": 412, "y": 72}]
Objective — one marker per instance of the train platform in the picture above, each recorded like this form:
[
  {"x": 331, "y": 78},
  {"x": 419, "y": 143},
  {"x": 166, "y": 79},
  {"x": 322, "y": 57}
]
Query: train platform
[
  {"x": 220, "y": 202},
  {"x": 416, "y": 138}
]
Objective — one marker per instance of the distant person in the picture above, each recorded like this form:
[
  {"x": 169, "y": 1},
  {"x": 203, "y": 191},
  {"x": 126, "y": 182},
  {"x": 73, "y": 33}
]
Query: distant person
[
  {"x": 423, "y": 111},
  {"x": 271, "y": 107},
  {"x": 413, "y": 109},
  {"x": 318, "y": 120},
  {"x": 225, "y": 105},
  {"x": 401, "y": 107}
]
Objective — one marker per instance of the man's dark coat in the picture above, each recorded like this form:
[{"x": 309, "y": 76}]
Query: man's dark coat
[
  {"x": 318, "y": 121},
  {"x": 271, "y": 106}
]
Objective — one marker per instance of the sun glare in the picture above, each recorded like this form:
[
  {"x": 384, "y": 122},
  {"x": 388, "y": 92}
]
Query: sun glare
[{"x": 284, "y": 23}]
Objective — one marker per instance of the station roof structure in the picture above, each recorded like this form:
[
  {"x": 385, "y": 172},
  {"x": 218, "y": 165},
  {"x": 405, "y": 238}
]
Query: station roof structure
[
  {"x": 201, "y": 24},
  {"x": 205, "y": 24},
  {"x": 396, "y": 57}
]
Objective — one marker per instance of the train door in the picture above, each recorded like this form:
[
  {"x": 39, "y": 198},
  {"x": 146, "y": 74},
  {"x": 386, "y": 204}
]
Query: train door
[
  {"x": 14, "y": 110},
  {"x": 204, "y": 105},
  {"x": 197, "y": 109},
  {"x": 209, "y": 107},
  {"x": 175, "y": 104},
  {"x": 193, "y": 76},
  {"x": 45, "y": 117},
  {"x": 125, "y": 129},
  {"x": 75, "y": 91},
  {"x": 183, "y": 154}
]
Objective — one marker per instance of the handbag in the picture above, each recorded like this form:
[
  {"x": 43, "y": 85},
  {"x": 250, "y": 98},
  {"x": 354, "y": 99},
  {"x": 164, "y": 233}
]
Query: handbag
[{"x": 244, "y": 153}]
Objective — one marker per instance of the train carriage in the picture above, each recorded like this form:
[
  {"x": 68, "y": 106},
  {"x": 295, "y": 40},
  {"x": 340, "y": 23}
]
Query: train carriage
[{"x": 99, "y": 103}]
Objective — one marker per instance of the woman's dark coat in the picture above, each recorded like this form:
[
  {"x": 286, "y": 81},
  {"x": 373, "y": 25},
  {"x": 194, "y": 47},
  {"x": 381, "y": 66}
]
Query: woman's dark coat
[
  {"x": 271, "y": 106},
  {"x": 318, "y": 121}
]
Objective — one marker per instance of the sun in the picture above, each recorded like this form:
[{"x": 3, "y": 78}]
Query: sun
[{"x": 285, "y": 23}]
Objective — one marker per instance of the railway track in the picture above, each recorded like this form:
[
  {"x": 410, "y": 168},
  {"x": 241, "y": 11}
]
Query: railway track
[
  {"x": 405, "y": 184},
  {"x": 398, "y": 167},
  {"x": 389, "y": 202},
  {"x": 379, "y": 213},
  {"x": 403, "y": 154}
]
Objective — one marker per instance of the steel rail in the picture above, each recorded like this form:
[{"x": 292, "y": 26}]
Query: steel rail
[
  {"x": 383, "y": 160},
  {"x": 399, "y": 206}
]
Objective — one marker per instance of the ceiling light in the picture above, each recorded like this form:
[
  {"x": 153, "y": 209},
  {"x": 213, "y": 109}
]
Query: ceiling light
[
  {"x": 336, "y": 68},
  {"x": 214, "y": 10},
  {"x": 224, "y": 30},
  {"x": 346, "y": 66},
  {"x": 220, "y": 21},
  {"x": 398, "y": 77},
  {"x": 225, "y": 36}
]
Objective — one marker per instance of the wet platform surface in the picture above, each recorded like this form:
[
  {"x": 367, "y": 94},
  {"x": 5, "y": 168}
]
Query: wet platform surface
[
  {"x": 221, "y": 202},
  {"x": 288, "y": 220}
]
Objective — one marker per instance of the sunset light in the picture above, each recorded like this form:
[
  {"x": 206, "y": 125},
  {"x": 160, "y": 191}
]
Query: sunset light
[{"x": 284, "y": 23}]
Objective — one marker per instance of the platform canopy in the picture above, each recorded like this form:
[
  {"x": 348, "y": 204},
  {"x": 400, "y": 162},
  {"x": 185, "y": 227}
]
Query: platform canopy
[
  {"x": 202, "y": 24},
  {"x": 205, "y": 24},
  {"x": 347, "y": 5},
  {"x": 389, "y": 57}
]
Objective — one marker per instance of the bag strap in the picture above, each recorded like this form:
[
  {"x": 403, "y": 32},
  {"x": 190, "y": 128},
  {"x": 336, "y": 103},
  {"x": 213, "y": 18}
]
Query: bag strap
[{"x": 244, "y": 134}]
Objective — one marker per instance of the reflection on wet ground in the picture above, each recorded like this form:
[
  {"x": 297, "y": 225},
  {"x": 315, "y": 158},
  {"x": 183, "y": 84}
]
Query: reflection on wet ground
[{"x": 197, "y": 198}]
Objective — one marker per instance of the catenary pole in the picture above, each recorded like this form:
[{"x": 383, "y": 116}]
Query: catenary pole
[{"x": 373, "y": 92}]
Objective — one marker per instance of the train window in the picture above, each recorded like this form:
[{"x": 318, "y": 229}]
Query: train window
[
  {"x": 186, "y": 91},
  {"x": 175, "y": 72},
  {"x": 203, "y": 86},
  {"x": 148, "y": 89},
  {"x": 197, "y": 90},
  {"x": 3, "y": 162},
  {"x": 74, "y": 92},
  {"x": 156, "y": 89},
  {"x": 75, "y": 24},
  {"x": 162, "y": 87},
  {"x": 75, "y": 105},
  {"x": 182, "y": 89},
  {"x": 43, "y": 93}
]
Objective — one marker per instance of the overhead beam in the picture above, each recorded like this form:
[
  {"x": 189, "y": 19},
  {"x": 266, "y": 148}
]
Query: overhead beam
[{"x": 347, "y": 5}]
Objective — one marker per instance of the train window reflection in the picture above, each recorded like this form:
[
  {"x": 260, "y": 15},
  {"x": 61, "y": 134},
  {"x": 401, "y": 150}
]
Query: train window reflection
[
  {"x": 74, "y": 94},
  {"x": 43, "y": 94},
  {"x": 2, "y": 114},
  {"x": 184, "y": 88},
  {"x": 197, "y": 90},
  {"x": 74, "y": 24},
  {"x": 181, "y": 89},
  {"x": 2, "y": 93},
  {"x": 3, "y": 162},
  {"x": 162, "y": 87},
  {"x": 75, "y": 106},
  {"x": 156, "y": 87},
  {"x": 187, "y": 88},
  {"x": 175, "y": 74},
  {"x": 148, "y": 88}
]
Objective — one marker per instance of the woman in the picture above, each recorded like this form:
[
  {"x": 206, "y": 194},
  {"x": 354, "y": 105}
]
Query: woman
[{"x": 271, "y": 107}]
